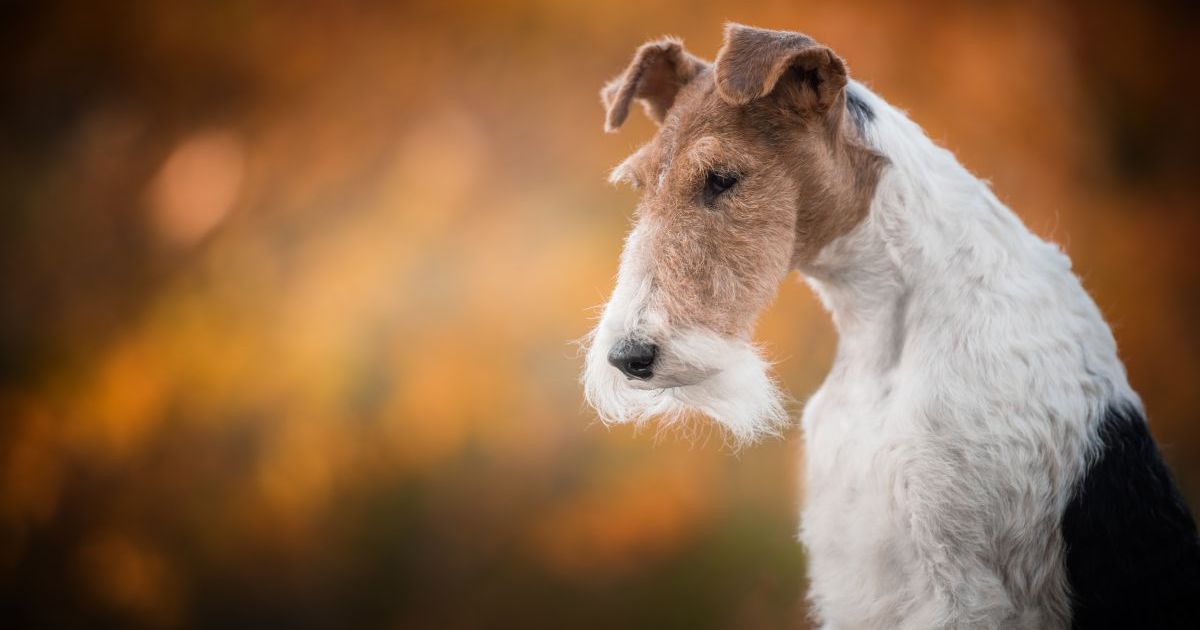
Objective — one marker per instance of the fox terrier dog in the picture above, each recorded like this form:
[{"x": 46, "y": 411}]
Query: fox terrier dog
[{"x": 976, "y": 457}]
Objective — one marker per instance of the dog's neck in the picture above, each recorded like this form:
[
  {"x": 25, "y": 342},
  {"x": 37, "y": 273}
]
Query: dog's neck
[{"x": 933, "y": 229}]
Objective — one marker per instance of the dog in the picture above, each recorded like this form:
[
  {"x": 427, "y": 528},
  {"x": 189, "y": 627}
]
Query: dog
[{"x": 976, "y": 457}]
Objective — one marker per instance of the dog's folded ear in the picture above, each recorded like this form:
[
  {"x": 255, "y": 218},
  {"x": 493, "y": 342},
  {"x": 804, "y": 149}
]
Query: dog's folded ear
[
  {"x": 659, "y": 69},
  {"x": 756, "y": 62}
]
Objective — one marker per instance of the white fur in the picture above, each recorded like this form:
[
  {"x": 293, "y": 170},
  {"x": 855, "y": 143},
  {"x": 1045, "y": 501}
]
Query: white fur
[
  {"x": 696, "y": 370},
  {"x": 972, "y": 369}
]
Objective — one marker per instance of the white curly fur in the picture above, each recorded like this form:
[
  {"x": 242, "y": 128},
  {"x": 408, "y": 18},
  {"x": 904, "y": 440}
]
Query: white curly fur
[{"x": 972, "y": 370}]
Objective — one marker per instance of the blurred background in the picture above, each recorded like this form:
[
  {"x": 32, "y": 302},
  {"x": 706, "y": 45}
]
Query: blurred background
[{"x": 289, "y": 294}]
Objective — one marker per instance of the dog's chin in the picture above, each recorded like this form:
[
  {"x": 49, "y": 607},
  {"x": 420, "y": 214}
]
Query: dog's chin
[{"x": 724, "y": 379}]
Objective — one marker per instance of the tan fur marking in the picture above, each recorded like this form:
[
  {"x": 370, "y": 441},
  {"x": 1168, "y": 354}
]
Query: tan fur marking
[{"x": 773, "y": 113}]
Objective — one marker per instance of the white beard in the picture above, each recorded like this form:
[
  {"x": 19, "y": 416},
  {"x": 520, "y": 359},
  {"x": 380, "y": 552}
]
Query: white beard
[{"x": 724, "y": 379}]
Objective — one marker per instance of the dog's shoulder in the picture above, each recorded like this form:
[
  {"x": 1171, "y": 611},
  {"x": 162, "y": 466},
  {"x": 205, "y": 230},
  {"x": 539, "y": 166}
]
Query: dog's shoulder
[{"x": 1133, "y": 556}]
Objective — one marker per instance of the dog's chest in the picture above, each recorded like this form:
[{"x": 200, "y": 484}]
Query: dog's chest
[
  {"x": 854, "y": 524},
  {"x": 852, "y": 437}
]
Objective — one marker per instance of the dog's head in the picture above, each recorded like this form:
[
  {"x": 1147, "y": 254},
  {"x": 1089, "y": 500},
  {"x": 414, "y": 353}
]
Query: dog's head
[{"x": 753, "y": 170}]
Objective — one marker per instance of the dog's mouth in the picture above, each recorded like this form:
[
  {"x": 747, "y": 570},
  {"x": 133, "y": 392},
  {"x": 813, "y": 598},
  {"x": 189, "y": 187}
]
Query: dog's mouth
[
  {"x": 693, "y": 371},
  {"x": 669, "y": 373}
]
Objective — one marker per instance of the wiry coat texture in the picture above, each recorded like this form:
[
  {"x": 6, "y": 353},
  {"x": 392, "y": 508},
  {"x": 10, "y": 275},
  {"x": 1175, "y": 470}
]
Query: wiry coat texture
[
  {"x": 976, "y": 457},
  {"x": 961, "y": 409}
]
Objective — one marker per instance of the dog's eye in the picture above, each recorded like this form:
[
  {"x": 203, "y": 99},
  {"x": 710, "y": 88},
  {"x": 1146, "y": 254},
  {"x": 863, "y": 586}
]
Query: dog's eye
[{"x": 716, "y": 183}]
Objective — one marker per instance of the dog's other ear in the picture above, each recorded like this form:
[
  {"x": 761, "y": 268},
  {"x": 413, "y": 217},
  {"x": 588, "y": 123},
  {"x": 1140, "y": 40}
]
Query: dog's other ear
[
  {"x": 755, "y": 62},
  {"x": 658, "y": 70}
]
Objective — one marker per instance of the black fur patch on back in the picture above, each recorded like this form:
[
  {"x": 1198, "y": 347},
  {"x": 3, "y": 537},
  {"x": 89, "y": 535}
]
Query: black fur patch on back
[{"x": 1133, "y": 556}]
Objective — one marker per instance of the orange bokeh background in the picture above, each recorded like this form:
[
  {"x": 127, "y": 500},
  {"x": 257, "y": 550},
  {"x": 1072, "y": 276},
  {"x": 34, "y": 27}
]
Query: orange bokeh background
[{"x": 291, "y": 293}]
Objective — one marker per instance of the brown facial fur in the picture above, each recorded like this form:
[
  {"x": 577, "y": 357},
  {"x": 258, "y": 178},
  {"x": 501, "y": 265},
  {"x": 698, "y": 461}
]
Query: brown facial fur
[{"x": 773, "y": 112}]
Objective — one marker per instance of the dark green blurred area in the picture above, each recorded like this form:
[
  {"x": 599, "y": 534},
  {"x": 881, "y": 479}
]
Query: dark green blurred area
[{"x": 290, "y": 289}]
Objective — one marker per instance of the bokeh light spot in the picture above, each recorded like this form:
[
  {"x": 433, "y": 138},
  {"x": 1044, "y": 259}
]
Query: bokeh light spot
[{"x": 197, "y": 186}]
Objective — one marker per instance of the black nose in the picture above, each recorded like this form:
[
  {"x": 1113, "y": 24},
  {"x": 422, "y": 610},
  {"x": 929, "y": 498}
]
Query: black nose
[{"x": 634, "y": 358}]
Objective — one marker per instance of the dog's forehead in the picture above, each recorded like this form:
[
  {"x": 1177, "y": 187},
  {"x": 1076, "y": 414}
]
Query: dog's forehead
[
  {"x": 698, "y": 114},
  {"x": 698, "y": 110}
]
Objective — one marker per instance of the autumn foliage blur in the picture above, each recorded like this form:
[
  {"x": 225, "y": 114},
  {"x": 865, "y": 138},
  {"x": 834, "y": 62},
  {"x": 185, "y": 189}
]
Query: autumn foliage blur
[{"x": 289, "y": 294}]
